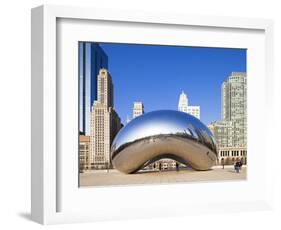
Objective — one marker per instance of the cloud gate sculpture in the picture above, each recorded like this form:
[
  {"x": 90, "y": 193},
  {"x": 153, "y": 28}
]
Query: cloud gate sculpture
[{"x": 163, "y": 134}]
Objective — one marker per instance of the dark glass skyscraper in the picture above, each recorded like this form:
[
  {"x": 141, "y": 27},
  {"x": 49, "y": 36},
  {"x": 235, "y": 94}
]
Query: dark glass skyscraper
[{"x": 91, "y": 59}]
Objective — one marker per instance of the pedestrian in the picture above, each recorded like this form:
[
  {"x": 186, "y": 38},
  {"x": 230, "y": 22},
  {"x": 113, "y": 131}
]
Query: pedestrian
[
  {"x": 240, "y": 165},
  {"x": 177, "y": 166},
  {"x": 236, "y": 166},
  {"x": 160, "y": 166},
  {"x": 222, "y": 162}
]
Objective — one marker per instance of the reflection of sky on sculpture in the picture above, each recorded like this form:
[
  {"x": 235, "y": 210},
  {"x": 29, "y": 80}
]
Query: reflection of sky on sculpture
[
  {"x": 156, "y": 123},
  {"x": 163, "y": 134}
]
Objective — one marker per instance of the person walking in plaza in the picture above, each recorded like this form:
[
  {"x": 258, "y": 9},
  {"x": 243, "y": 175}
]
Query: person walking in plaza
[
  {"x": 177, "y": 166},
  {"x": 236, "y": 166},
  {"x": 240, "y": 165}
]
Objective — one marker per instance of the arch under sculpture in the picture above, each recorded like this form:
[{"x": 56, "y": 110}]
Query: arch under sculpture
[{"x": 163, "y": 134}]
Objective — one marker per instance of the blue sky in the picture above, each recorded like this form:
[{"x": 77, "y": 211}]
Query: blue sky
[{"x": 156, "y": 75}]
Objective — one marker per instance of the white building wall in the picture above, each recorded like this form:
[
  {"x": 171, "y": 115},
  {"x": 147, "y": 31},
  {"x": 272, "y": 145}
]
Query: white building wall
[
  {"x": 138, "y": 109},
  {"x": 184, "y": 107}
]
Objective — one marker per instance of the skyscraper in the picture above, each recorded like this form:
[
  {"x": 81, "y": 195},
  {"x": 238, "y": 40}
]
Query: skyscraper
[
  {"x": 231, "y": 131},
  {"x": 234, "y": 106},
  {"x": 184, "y": 107},
  {"x": 183, "y": 102},
  {"x": 105, "y": 122},
  {"x": 91, "y": 59},
  {"x": 138, "y": 109},
  {"x": 223, "y": 132}
]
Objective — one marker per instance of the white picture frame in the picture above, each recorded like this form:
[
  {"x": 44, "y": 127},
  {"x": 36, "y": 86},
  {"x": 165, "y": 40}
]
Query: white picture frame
[{"x": 56, "y": 197}]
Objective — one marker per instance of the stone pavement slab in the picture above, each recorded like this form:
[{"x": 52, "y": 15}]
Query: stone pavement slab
[{"x": 113, "y": 177}]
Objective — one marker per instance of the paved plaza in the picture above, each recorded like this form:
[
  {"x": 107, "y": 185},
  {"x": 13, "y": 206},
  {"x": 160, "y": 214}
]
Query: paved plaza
[{"x": 114, "y": 177}]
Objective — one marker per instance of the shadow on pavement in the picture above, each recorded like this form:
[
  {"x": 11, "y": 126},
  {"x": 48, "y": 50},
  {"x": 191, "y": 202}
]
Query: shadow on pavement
[{"x": 25, "y": 215}]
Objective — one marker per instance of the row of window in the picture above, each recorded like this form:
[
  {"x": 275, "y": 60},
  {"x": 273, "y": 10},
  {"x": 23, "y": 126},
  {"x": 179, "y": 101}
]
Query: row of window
[{"x": 226, "y": 153}]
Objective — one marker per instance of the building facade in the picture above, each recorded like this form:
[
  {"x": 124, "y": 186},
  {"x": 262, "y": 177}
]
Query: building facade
[
  {"x": 84, "y": 152},
  {"x": 234, "y": 106},
  {"x": 138, "y": 109},
  {"x": 229, "y": 155},
  {"x": 231, "y": 131},
  {"x": 223, "y": 133},
  {"x": 184, "y": 107},
  {"x": 91, "y": 59},
  {"x": 105, "y": 123}
]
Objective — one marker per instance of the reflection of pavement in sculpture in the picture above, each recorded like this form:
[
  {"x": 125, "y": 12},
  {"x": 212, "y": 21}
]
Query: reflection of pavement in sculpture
[{"x": 163, "y": 134}]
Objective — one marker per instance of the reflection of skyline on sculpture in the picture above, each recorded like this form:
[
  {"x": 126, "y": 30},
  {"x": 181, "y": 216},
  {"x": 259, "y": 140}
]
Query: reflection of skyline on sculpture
[
  {"x": 161, "y": 134},
  {"x": 161, "y": 122}
]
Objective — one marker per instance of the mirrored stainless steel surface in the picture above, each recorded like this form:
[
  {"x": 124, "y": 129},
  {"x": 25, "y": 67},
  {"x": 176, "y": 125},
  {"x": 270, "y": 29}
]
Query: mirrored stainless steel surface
[{"x": 163, "y": 134}]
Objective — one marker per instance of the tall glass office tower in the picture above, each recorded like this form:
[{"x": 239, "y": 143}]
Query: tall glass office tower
[{"x": 92, "y": 58}]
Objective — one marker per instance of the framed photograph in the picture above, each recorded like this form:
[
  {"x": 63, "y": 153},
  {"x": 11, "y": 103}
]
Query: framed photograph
[{"x": 141, "y": 114}]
